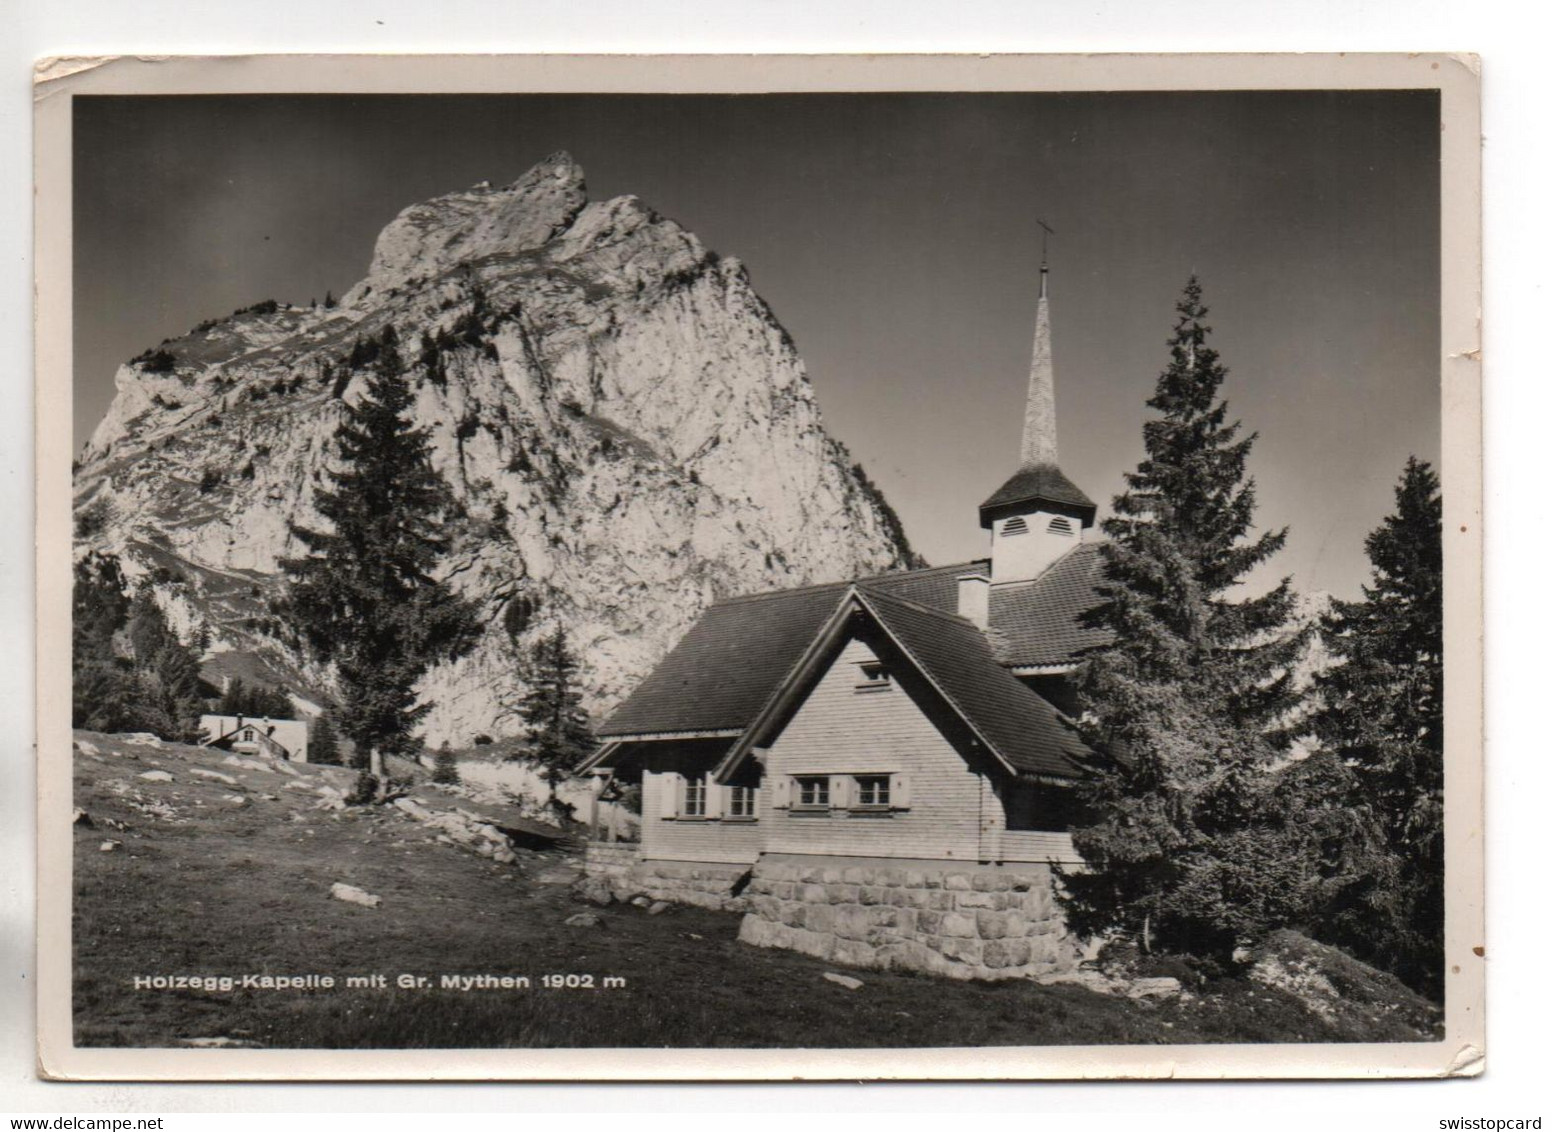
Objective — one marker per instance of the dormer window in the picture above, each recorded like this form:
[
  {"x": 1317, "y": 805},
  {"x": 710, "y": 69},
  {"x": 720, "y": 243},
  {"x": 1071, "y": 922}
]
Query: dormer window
[
  {"x": 1015, "y": 526},
  {"x": 875, "y": 677},
  {"x": 1060, "y": 526}
]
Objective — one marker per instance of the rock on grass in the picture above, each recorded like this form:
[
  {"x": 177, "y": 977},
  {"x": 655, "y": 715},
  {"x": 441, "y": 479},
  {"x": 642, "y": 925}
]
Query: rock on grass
[{"x": 350, "y": 894}]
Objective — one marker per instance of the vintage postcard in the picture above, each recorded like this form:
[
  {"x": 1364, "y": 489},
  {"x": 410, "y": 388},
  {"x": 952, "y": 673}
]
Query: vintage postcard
[{"x": 718, "y": 568}]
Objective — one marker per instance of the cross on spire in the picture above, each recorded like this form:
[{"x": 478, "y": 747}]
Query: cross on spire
[
  {"x": 1046, "y": 232},
  {"x": 1038, "y": 485}
]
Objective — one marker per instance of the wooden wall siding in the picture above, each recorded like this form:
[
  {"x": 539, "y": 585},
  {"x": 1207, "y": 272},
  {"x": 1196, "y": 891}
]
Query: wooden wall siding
[
  {"x": 677, "y": 840},
  {"x": 1033, "y": 845},
  {"x": 839, "y": 730},
  {"x": 955, "y": 812}
]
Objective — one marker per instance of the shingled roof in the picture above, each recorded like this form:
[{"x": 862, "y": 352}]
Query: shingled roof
[
  {"x": 1044, "y": 482},
  {"x": 733, "y": 660},
  {"x": 1019, "y": 725},
  {"x": 1039, "y": 623},
  {"x": 725, "y": 668}
]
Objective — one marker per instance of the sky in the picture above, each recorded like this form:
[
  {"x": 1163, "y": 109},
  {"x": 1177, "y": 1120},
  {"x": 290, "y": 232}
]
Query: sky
[{"x": 895, "y": 236}]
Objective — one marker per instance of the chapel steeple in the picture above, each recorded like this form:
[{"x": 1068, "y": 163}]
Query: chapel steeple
[
  {"x": 1040, "y": 409},
  {"x": 1038, "y": 514}
]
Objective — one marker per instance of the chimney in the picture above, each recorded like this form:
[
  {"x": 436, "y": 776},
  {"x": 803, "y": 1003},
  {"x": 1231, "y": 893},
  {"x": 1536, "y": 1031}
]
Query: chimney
[{"x": 974, "y": 591}]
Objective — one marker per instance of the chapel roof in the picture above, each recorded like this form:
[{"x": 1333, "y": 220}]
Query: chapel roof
[
  {"x": 730, "y": 663},
  {"x": 1020, "y": 725},
  {"x": 1038, "y": 483},
  {"x": 1041, "y": 623},
  {"x": 724, "y": 669}
]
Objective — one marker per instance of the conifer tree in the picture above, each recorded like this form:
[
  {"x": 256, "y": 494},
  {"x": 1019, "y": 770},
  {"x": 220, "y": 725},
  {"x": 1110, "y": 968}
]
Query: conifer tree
[
  {"x": 366, "y": 596},
  {"x": 103, "y": 692},
  {"x": 234, "y": 698},
  {"x": 558, "y": 727},
  {"x": 1186, "y": 705},
  {"x": 157, "y": 686},
  {"x": 445, "y": 772},
  {"x": 1382, "y": 714},
  {"x": 99, "y": 607},
  {"x": 148, "y": 628},
  {"x": 322, "y": 747},
  {"x": 255, "y": 699}
]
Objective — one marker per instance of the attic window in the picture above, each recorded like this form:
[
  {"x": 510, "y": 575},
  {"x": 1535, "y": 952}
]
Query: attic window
[
  {"x": 873, "y": 791},
  {"x": 875, "y": 677},
  {"x": 813, "y": 792},
  {"x": 1060, "y": 526},
  {"x": 1015, "y": 526}
]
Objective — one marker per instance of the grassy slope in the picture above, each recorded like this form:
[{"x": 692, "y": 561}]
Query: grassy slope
[{"x": 217, "y": 888}]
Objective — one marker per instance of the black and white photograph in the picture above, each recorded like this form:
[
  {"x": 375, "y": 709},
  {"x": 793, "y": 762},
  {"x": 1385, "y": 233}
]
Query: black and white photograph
[{"x": 773, "y": 570}]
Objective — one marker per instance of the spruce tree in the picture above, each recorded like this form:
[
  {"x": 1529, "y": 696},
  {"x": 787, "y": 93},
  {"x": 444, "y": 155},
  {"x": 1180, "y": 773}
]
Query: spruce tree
[
  {"x": 366, "y": 596},
  {"x": 558, "y": 727},
  {"x": 1382, "y": 714},
  {"x": 445, "y": 772},
  {"x": 103, "y": 690},
  {"x": 234, "y": 698},
  {"x": 130, "y": 670},
  {"x": 322, "y": 747},
  {"x": 149, "y": 632},
  {"x": 1187, "y": 703},
  {"x": 255, "y": 699}
]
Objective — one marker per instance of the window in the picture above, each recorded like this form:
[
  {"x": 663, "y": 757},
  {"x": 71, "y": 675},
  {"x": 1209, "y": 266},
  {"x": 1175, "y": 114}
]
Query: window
[
  {"x": 1060, "y": 526},
  {"x": 694, "y": 797},
  {"x": 875, "y": 677},
  {"x": 740, "y": 802},
  {"x": 872, "y": 790},
  {"x": 813, "y": 792},
  {"x": 1015, "y": 526}
]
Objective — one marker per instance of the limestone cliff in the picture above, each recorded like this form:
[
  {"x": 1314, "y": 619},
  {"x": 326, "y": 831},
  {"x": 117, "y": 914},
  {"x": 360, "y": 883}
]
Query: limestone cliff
[{"x": 628, "y": 431}]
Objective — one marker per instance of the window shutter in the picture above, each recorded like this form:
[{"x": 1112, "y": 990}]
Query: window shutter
[
  {"x": 781, "y": 792},
  {"x": 840, "y": 792},
  {"x": 672, "y": 787},
  {"x": 716, "y": 798},
  {"x": 899, "y": 792}
]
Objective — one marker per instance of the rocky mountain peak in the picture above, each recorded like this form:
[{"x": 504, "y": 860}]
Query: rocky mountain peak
[
  {"x": 473, "y": 224},
  {"x": 627, "y": 430}
]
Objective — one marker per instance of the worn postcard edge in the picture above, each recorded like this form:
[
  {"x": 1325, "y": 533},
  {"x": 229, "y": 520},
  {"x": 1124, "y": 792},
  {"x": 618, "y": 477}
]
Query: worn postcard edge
[{"x": 1455, "y": 76}]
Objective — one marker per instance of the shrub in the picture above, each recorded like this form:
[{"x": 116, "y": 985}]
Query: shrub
[
  {"x": 91, "y": 520},
  {"x": 157, "y": 361},
  {"x": 446, "y": 770},
  {"x": 364, "y": 791},
  {"x": 519, "y": 615}
]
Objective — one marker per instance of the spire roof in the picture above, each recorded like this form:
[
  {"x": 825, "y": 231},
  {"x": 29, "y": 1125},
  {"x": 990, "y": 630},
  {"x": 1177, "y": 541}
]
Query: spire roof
[
  {"x": 1040, "y": 408},
  {"x": 1039, "y": 479}
]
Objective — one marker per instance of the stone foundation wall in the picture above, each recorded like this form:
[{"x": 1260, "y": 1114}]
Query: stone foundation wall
[
  {"x": 619, "y": 870},
  {"x": 943, "y": 919}
]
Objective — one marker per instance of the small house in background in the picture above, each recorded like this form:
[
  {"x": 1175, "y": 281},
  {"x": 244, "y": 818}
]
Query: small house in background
[
  {"x": 255, "y": 735},
  {"x": 880, "y": 772}
]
